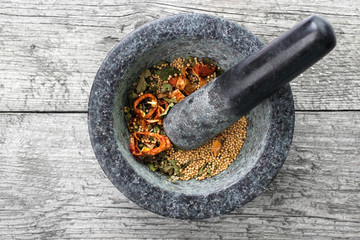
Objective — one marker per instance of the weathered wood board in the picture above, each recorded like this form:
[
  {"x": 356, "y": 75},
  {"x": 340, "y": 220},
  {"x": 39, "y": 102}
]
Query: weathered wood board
[
  {"x": 51, "y": 50},
  {"x": 53, "y": 188}
]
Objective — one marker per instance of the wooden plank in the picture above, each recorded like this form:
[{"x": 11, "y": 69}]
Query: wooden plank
[
  {"x": 50, "y": 52},
  {"x": 53, "y": 188}
]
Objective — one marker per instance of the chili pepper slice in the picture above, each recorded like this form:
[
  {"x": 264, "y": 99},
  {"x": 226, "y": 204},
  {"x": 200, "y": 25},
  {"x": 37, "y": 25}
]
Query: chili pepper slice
[
  {"x": 173, "y": 81},
  {"x": 184, "y": 70},
  {"x": 216, "y": 147},
  {"x": 163, "y": 105},
  {"x": 203, "y": 70},
  {"x": 189, "y": 89},
  {"x": 177, "y": 94},
  {"x": 154, "y": 106},
  {"x": 157, "y": 118},
  {"x": 202, "y": 82},
  {"x": 182, "y": 83},
  {"x": 134, "y": 140}
]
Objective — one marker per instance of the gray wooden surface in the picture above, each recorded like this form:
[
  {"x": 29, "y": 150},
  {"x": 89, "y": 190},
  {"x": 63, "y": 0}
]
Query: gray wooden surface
[{"x": 51, "y": 186}]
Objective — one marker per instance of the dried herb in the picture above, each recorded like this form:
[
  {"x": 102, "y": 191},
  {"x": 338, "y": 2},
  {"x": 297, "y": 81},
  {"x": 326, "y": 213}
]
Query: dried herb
[
  {"x": 151, "y": 166},
  {"x": 156, "y": 129},
  {"x": 190, "y": 60},
  {"x": 208, "y": 61},
  {"x": 168, "y": 169},
  {"x": 162, "y": 156},
  {"x": 175, "y": 166},
  {"x": 166, "y": 72},
  {"x": 132, "y": 96},
  {"x": 167, "y": 109},
  {"x": 172, "y": 100},
  {"x": 219, "y": 71},
  {"x": 201, "y": 171},
  {"x": 184, "y": 165},
  {"x": 166, "y": 87},
  {"x": 141, "y": 86}
]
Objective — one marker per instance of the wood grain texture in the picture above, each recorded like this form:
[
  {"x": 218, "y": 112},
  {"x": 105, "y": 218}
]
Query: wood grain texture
[
  {"x": 53, "y": 188},
  {"x": 51, "y": 50}
]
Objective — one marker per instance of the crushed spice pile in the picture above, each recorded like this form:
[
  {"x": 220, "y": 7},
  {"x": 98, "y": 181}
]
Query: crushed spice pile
[{"x": 157, "y": 90}]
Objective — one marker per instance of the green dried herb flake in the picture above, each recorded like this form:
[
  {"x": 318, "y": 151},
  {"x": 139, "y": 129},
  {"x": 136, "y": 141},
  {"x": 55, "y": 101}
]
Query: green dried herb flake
[
  {"x": 184, "y": 165},
  {"x": 167, "y": 109},
  {"x": 166, "y": 87},
  {"x": 201, "y": 170},
  {"x": 190, "y": 60},
  {"x": 151, "y": 167},
  {"x": 168, "y": 169},
  {"x": 141, "y": 86},
  {"x": 175, "y": 166},
  {"x": 208, "y": 61},
  {"x": 156, "y": 129},
  {"x": 132, "y": 96},
  {"x": 166, "y": 72},
  {"x": 146, "y": 73},
  {"x": 172, "y": 100},
  {"x": 219, "y": 71}
]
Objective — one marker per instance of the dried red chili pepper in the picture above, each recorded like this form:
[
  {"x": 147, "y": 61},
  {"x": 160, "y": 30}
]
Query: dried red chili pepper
[
  {"x": 163, "y": 105},
  {"x": 162, "y": 95},
  {"x": 202, "y": 82},
  {"x": 139, "y": 112},
  {"x": 134, "y": 140},
  {"x": 173, "y": 81},
  {"x": 177, "y": 94},
  {"x": 189, "y": 89},
  {"x": 184, "y": 70},
  {"x": 203, "y": 70},
  {"x": 182, "y": 83}
]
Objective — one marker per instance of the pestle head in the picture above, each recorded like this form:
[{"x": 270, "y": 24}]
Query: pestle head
[{"x": 211, "y": 109}]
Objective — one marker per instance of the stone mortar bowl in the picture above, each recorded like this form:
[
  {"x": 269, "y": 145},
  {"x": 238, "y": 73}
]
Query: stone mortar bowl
[{"x": 269, "y": 131}]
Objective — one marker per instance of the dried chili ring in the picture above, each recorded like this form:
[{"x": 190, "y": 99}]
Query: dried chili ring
[
  {"x": 162, "y": 106},
  {"x": 134, "y": 140},
  {"x": 154, "y": 105}
]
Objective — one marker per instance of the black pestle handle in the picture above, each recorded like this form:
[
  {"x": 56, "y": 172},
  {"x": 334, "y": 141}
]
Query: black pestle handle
[{"x": 211, "y": 109}]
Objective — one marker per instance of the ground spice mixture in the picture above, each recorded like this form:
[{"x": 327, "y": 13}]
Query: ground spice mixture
[{"x": 152, "y": 96}]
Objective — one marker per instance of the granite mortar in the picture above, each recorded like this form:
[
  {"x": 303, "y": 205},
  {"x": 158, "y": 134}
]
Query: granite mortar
[{"x": 269, "y": 131}]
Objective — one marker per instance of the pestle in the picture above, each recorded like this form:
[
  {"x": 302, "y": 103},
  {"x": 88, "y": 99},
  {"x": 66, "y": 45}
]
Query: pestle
[{"x": 208, "y": 111}]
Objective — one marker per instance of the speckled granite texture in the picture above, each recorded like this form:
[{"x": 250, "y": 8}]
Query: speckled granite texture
[{"x": 270, "y": 127}]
